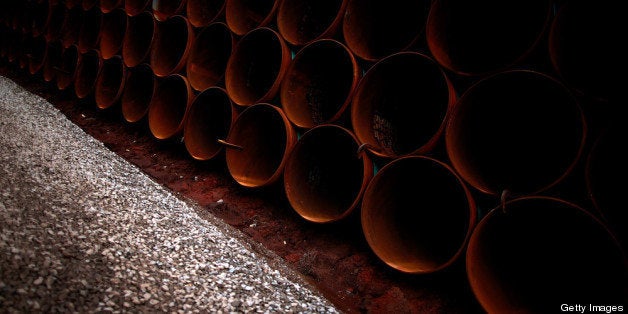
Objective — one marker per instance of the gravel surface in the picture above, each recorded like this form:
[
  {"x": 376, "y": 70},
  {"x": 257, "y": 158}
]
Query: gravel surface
[{"x": 82, "y": 230}]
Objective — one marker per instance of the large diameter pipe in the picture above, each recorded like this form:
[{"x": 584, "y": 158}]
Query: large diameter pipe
[
  {"x": 52, "y": 62},
  {"x": 138, "y": 39},
  {"x": 138, "y": 92},
  {"x": 325, "y": 176},
  {"x": 375, "y": 29},
  {"x": 107, "y": 6},
  {"x": 303, "y": 21},
  {"x": 474, "y": 38},
  {"x": 520, "y": 131},
  {"x": 89, "y": 32},
  {"x": 586, "y": 49},
  {"x": 168, "y": 107},
  {"x": 243, "y": 16},
  {"x": 87, "y": 72},
  {"x": 401, "y": 105},
  {"x": 165, "y": 9},
  {"x": 204, "y": 12},
  {"x": 135, "y": 7},
  {"x": 36, "y": 50},
  {"x": 66, "y": 71},
  {"x": 56, "y": 17},
  {"x": 207, "y": 62},
  {"x": 531, "y": 252},
  {"x": 171, "y": 45},
  {"x": 319, "y": 83},
  {"x": 71, "y": 26},
  {"x": 258, "y": 144},
  {"x": 209, "y": 120},
  {"x": 112, "y": 33},
  {"x": 417, "y": 215},
  {"x": 110, "y": 82},
  {"x": 256, "y": 67}
]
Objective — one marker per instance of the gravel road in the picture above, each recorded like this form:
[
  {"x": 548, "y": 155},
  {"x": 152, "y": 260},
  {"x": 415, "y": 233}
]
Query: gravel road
[{"x": 82, "y": 230}]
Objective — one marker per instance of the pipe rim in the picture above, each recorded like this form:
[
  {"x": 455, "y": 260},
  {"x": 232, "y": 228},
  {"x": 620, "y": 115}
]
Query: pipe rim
[
  {"x": 160, "y": 45},
  {"x": 112, "y": 32},
  {"x": 161, "y": 15},
  {"x": 135, "y": 7}
]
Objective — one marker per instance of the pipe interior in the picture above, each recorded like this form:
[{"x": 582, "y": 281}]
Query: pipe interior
[
  {"x": 90, "y": 30},
  {"x": 71, "y": 26},
  {"x": 208, "y": 58},
  {"x": 109, "y": 5},
  {"x": 53, "y": 59},
  {"x": 164, "y": 9},
  {"x": 135, "y": 7},
  {"x": 168, "y": 106},
  {"x": 208, "y": 121},
  {"x": 110, "y": 82},
  {"x": 245, "y": 15},
  {"x": 69, "y": 61},
  {"x": 37, "y": 49},
  {"x": 89, "y": 4},
  {"x": 55, "y": 22},
  {"x": 113, "y": 30},
  {"x": 87, "y": 73},
  {"x": 203, "y": 12},
  {"x": 137, "y": 39},
  {"x": 302, "y": 21},
  {"x": 39, "y": 17},
  {"x": 169, "y": 46},
  {"x": 138, "y": 92}
]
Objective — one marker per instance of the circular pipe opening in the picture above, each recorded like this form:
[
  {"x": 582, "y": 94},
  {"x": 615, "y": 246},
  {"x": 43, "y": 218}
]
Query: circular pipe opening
[
  {"x": 523, "y": 258},
  {"x": 266, "y": 137},
  {"x": 401, "y": 105},
  {"x": 135, "y": 7},
  {"x": 204, "y": 12},
  {"x": 375, "y": 29},
  {"x": 171, "y": 45},
  {"x": 71, "y": 26},
  {"x": 243, "y": 16},
  {"x": 168, "y": 106},
  {"x": 472, "y": 38},
  {"x": 55, "y": 21},
  {"x": 302, "y": 21},
  {"x": 67, "y": 67},
  {"x": 36, "y": 51},
  {"x": 138, "y": 92},
  {"x": 89, "y": 32},
  {"x": 208, "y": 121},
  {"x": 87, "y": 73},
  {"x": 319, "y": 83},
  {"x": 110, "y": 82},
  {"x": 107, "y": 6},
  {"x": 165, "y": 9},
  {"x": 520, "y": 131},
  {"x": 138, "y": 38},
  {"x": 324, "y": 177},
  {"x": 112, "y": 33},
  {"x": 256, "y": 67},
  {"x": 417, "y": 215},
  {"x": 207, "y": 62},
  {"x": 52, "y": 62}
]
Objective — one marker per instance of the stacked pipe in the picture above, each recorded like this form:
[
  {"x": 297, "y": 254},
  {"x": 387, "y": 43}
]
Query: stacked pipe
[{"x": 460, "y": 133}]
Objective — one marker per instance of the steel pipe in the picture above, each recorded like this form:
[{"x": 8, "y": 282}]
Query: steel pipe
[
  {"x": 110, "y": 82},
  {"x": 474, "y": 38},
  {"x": 531, "y": 252},
  {"x": 258, "y": 144},
  {"x": 138, "y": 39},
  {"x": 66, "y": 71},
  {"x": 53, "y": 61},
  {"x": 325, "y": 178},
  {"x": 165, "y": 9},
  {"x": 401, "y": 105},
  {"x": 243, "y": 16},
  {"x": 89, "y": 32},
  {"x": 107, "y": 6},
  {"x": 171, "y": 45},
  {"x": 168, "y": 107},
  {"x": 38, "y": 13},
  {"x": 303, "y": 21},
  {"x": 36, "y": 50},
  {"x": 520, "y": 131},
  {"x": 417, "y": 215},
  {"x": 55, "y": 21},
  {"x": 87, "y": 71},
  {"x": 135, "y": 7},
  {"x": 207, "y": 62},
  {"x": 256, "y": 67},
  {"x": 71, "y": 26},
  {"x": 112, "y": 33},
  {"x": 319, "y": 83},
  {"x": 209, "y": 120},
  {"x": 138, "y": 92},
  {"x": 204, "y": 12}
]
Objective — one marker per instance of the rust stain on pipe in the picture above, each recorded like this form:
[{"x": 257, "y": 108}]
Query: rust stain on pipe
[
  {"x": 171, "y": 45},
  {"x": 112, "y": 33},
  {"x": 417, "y": 215},
  {"x": 87, "y": 72},
  {"x": 138, "y": 92},
  {"x": 110, "y": 82},
  {"x": 324, "y": 178},
  {"x": 56, "y": 16},
  {"x": 107, "y": 6},
  {"x": 165, "y": 9},
  {"x": 243, "y": 16},
  {"x": 53, "y": 59},
  {"x": 135, "y": 7},
  {"x": 71, "y": 26},
  {"x": 303, "y": 21},
  {"x": 208, "y": 121},
  {"x": 540, "y": 250},
  {"x": 168, "y": 107},
  {"x": 256, "y": 67},
  {"x": 138, "y": 39},
  {"x": 89, "y": 32},
  {"x": 204, "y": 12},
  {"x": 319, "y": 83},
  {"x": 401, "y": 105},
  {"x": 66, "y": 71},
  {"x": 520, "y": 131},
  {"x": 207, "y": 62},
  {"x": 266, "y": 137}
]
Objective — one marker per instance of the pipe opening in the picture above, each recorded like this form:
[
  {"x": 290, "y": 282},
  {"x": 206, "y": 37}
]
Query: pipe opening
[
  {"x": 164, "y": 9},
  {"x": 243, "y": 16},
  {"x": 53, "y": 59},
  {"x": 168, "y": 106},
  {"x": 89, "y": 32},
  {"x": 87, "y": 73},
  {"x": 55, "y": 21},
  {"x": 110, "y": 82},
  {"x": 209, "y": 56},
  {"x": 135, "y": 7},
  {"x": 71, "y": 26},
  {"x": 417, "y": 215},
  {"x": 107, "y": 6},
  {"x": 138, "y": 92},
  {"x": 112, "y": 33},
  {"x": 89, "y": 4},
  {"x": 36, "y": 49},
  {"x": 173, "y": 40},
  {"x": 300, "y": 22},
  {"x": 138, "y": 38},
  {"x": 67, "y": 69},
  {"x": 204, "y": 12}
]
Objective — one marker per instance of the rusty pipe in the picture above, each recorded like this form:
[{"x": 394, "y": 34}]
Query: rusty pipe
[
  {"x": 89, "y": 31},
  {"x": 112, "y": 33},
  {"x": 209, "y": 120},
  {"x": 324, "y": 178},
  {"x": 56, "y": 17},
  {"x": 110, "y": 82},
  {"x": 66, "y": 70},
  {"x": 521, "y": 258},
  {"x": 520, "y": 131},
  {"x": 168, "y": 107},
  {"x": 256, "y": 67},
  {"x": 138, "y": 92},
  {"x": 417, "y": 215},
  {"x": 474, "y": 38},
  {"x": 243, "y": 16},
  {"x": 401, "y": 105},
  {"x": 165, "y": 9},
  {"x": 39, "y": 12},
  {"x": 138, "y": 39},
  {"x": 171, "y": 45},
  {"x": 88, "y": 5},
  {"x": 204, "y": 12},
  {"x": 374, "y": 29},
  {"x": 265, "y": 138},
  {"x": 53, "y": 60},
  {"x": 36, "y": 50},
  {"x": 135, "y": 7},
  {"x": 71, "y": 26},
  {"x": 303, "y": 21},
  {"x": 209, "y": 55},
  {"x": 319, "y": 83},
  {"x": 107, "y": 6},
  {"x": 87, "y": 72}
]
